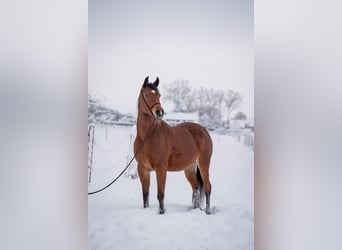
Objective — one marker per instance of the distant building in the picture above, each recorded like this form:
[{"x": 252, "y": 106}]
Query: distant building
[
  {"x": 178, "y": 117},
  {"x": 250, "y": 124},
  {"x": 237, "y": 124}
]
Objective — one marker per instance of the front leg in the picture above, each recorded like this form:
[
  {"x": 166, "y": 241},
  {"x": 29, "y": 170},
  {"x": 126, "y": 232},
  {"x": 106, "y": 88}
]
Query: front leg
[
  {"x": 161, "y": 180},
  {"x": 144, "y": 176}
]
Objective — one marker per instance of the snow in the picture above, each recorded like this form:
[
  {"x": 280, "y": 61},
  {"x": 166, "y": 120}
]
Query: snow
[{"x": 116, "y": 219}]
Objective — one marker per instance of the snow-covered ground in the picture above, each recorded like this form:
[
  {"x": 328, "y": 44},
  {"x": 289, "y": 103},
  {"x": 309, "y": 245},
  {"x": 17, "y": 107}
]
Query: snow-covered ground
[{"x": 116, "y": 219}]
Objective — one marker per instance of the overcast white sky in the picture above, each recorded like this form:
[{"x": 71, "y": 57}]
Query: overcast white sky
[{"x": 208, "y": 43}]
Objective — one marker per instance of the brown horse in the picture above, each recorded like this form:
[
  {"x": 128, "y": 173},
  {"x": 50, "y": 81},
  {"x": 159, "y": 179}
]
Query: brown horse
[{"x": 161, "y": 148}]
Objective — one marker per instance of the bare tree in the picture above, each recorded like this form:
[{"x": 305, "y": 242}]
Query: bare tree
[
  {"x": 179, "y": 93},
  {"x": 208, "y": 104},
  {"x": 210, "y": 117},
  {"x": 232, "y": 101},
  {"x": 208, "y": 97},
  {"x": 189, "y": 104},
  {"x": 201, "y": 98}
]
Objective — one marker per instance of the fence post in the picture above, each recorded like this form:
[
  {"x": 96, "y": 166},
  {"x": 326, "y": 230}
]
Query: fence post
[{"x": 91, "y": 133}]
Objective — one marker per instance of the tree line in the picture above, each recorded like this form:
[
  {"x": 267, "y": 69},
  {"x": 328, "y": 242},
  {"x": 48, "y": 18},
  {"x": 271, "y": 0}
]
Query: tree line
[
  {"x": 209, "y": 103},
  {"x": 99, "y": 113}
]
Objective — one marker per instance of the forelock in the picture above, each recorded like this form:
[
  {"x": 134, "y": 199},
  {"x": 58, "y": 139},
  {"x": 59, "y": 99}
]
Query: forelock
[{"x": 153, "y": 87}]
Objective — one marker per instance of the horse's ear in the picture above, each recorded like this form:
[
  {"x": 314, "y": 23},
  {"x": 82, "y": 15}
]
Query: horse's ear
[
  {"x": 156, "y": 82},
  {"x": 145, "y": 82}
]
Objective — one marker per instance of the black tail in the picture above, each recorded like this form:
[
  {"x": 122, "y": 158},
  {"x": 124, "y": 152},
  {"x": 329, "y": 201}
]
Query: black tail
[{"x": 199, "y": 177}]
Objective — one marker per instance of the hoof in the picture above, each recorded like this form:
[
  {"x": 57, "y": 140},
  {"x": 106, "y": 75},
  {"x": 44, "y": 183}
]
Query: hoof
[
  {"x": 162, "y": 211},
  {"x": 208, "y": 210}
]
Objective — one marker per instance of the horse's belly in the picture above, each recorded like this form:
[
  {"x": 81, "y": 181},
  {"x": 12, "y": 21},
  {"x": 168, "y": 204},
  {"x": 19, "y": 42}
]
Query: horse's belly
[
  {"x": 180, "y": 167},
  {"x": 184, "y": 153},
  {"x": 181, "y": 161}
]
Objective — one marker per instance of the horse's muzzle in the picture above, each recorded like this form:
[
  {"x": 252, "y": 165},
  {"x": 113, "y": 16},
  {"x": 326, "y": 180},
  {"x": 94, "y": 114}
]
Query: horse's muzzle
[{"x": 159, "y": 114}]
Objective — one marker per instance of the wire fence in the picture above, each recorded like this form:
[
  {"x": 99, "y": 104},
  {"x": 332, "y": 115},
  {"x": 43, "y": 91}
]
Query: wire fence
[
  {"x": 103, "y": 143},
  {"x": 107, "y": 146}
]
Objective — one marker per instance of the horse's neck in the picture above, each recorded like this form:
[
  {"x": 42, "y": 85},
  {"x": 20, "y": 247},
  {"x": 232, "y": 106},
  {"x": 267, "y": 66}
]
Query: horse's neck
[{"x": 144, "y": 125}]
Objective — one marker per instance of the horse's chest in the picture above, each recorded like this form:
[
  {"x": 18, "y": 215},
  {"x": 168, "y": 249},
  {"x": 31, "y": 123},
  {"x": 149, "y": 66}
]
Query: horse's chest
[
  {"x": 150, "y": 159},
  {"x": 146, "y": 163}
]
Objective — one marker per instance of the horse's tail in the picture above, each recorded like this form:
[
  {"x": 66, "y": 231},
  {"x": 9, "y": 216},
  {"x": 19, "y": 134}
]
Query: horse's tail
[{"x": 201, "y": 189}]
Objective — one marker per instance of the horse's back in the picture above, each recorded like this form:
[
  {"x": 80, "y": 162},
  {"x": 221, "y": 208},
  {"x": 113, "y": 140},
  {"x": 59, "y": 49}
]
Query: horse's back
[
  {"x": 196, "y": 130},
  {"x": 200, "y": 134}
]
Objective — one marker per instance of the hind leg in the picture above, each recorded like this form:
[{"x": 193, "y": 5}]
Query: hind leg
[
  {"x": 145, "y": 183},
  {"x": 190, "y": 174},
  {"x": 204, "y": 168}
]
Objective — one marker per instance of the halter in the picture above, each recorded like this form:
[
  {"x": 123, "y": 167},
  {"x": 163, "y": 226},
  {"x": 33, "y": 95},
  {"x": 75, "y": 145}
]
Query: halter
[{"x": 149, "y": 108}]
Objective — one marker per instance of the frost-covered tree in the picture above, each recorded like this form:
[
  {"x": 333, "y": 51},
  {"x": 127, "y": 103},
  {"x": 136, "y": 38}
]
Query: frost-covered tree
[
  {"x": 232, "y": 101},
  {"x": 99, "y": 113},
  {"x": 208, "y": 103},
  {"x": 208, "y": 97},
  {"x": 210, "y": 117},
  {"x": 180, "y": 94}
]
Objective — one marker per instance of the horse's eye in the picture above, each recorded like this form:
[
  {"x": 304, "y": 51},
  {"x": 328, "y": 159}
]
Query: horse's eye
[{"x": 146, "y": 96}]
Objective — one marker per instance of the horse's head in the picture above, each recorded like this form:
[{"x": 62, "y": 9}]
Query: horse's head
[{"x": 150, "y": 96}]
